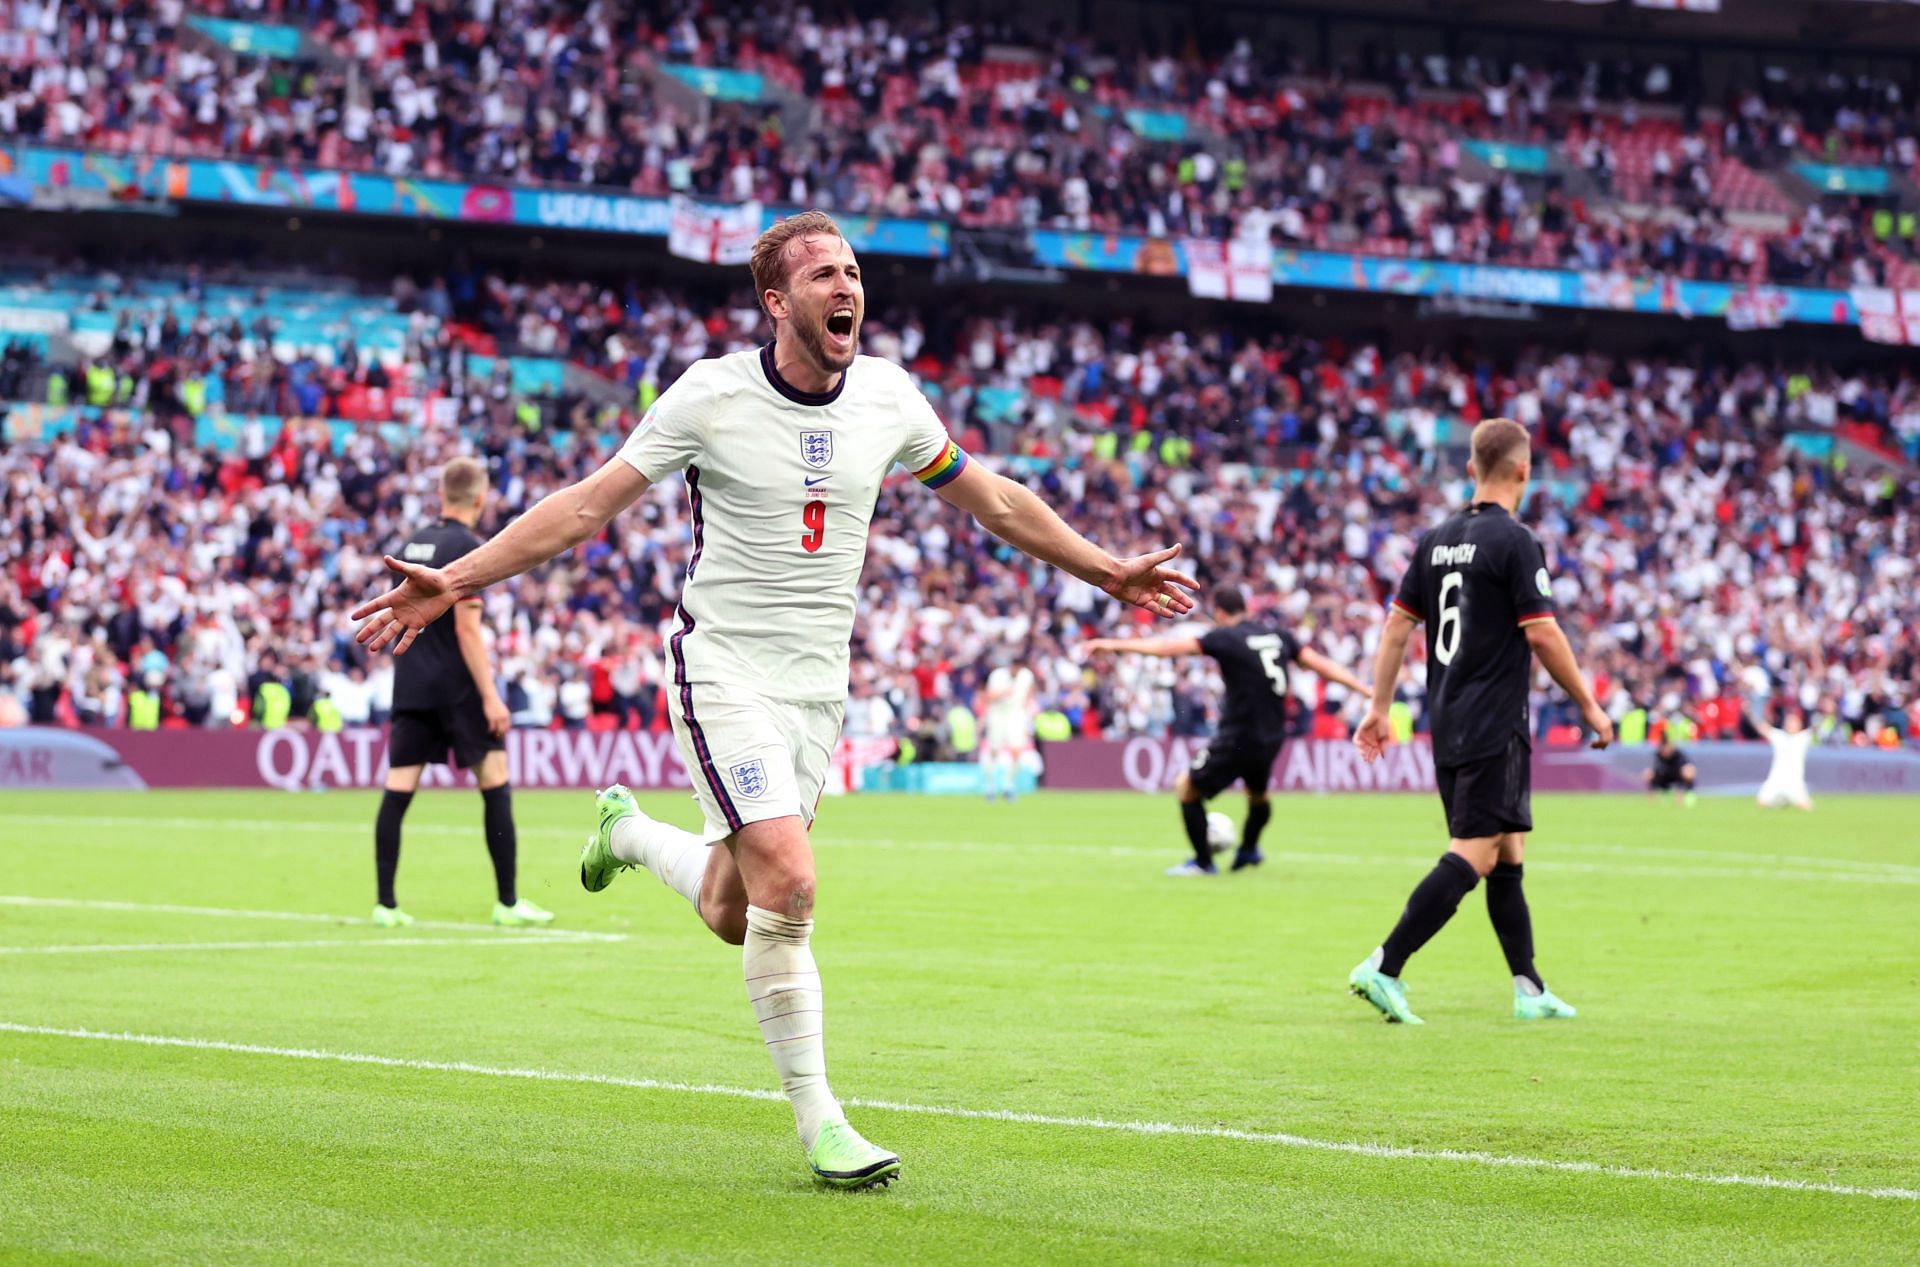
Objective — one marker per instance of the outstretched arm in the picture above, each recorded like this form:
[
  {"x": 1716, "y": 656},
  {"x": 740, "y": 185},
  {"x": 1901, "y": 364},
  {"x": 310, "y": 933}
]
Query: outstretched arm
[
  {"x": 1313, "y": 662},
  {"x": 1011, "y": 512},
  {"x": 1556, "y": 656},
  {"x": 560, "y": 521},
  {"x": 1374, "y": 733},
  {"x": 1166, "y": 648}
]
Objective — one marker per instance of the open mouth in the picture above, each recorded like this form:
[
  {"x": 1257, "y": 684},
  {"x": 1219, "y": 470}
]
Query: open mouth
[{"x": 840, "y": 323}]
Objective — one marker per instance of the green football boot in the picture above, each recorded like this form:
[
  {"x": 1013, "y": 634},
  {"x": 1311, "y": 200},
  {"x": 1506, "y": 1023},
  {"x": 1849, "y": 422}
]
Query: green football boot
[
  {"x": 598, "y": 866},
  {"x": 391, "y": 917},
  {"x": 522, "y": 914},
  {"x": 1386, "y": 993},
  {"x": 1544, "y": 1006},
  {"x": 840, "y": 1157}
]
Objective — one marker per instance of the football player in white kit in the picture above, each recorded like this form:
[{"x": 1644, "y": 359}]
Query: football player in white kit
[
  {"x": 1786, "y": 782},
  {"x": 1011, "y": 700},
  {"x": 784, "y": 449}
]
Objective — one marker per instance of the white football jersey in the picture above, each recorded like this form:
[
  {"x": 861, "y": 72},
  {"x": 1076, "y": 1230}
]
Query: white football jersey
[
  {"x": 1010, "y": 694},
  {"x": 782, "y": 485},
  {"x": 1789, "y": 767}
]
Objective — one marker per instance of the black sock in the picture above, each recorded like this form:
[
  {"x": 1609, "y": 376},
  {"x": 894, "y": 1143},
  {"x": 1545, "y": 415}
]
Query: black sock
[
  {"x": 1507, "y": 908},
  {"x": 386, "y": 842},
  {"x": 1433, "y": 903},
  {"x": 1258, "y": 815},
  {"x": 1686, "y": 783},
  {"x": 1194, "y": 815},
  {"x": 502, "y": 842}
]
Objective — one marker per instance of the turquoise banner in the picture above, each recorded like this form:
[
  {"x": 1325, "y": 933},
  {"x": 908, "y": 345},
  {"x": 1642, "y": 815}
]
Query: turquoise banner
[
  {"x": 721, "y": 85},
  {"x": 1157, "y": 125},
  {"x": 256, "y": 38},
  {"x": 1548, "y": 287},
  {"x": 1504, "y": 157},
  {"x": 1834, "y": 178},
  {"x": 322, "y": 189}
]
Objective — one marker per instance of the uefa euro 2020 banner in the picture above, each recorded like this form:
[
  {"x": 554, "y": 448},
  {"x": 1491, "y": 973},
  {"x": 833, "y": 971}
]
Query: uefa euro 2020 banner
[{"x": 293, "y": 187}]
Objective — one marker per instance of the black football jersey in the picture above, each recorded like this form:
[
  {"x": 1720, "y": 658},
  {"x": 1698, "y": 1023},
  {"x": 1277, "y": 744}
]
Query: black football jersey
[
  {"x": 1253, "y": 659},
  {"x": 1476, "y": 581},
  {"x": 432, "y": 673}
]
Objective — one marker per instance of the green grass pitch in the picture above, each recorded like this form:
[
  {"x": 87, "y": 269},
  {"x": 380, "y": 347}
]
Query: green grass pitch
[{"x": 1105, "y": 1065}]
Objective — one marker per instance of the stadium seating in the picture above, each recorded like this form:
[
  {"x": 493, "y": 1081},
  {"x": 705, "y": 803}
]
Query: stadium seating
[
  {"x": 1678, "y": 511},
  {"x": 909, "y": 119}
]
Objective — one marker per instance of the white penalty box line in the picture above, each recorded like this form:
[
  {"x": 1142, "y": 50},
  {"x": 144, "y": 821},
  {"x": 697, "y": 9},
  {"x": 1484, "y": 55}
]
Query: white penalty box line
[
  {"x": 1280, "y": 1139},
  {"x": 493, "y": 935}
]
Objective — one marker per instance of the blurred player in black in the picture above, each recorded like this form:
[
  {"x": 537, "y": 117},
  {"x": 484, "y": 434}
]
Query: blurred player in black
[
  {"x": 1253, "y": 657},
  {"x": 444, "y": 700},
  {"x": 1479, "y": 582},
  {"x": 1672, "y": 770}
]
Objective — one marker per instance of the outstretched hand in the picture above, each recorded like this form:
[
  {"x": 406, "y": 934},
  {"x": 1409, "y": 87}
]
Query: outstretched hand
[
  {"x": 1375, "y": 732},
  {"x": 1146, "y": 584},
  {"x": 403, "y": 611}
]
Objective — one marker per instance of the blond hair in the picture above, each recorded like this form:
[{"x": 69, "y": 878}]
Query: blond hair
[
  {"x": 1496, "y": 444},
  {"x": 769, "y": 262},
  {"x": 461, "y": 481}
]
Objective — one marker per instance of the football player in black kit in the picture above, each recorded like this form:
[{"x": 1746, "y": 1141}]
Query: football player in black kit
[
  {"x": 1479, "y": 582},
  {"x": 446, "y": 700},
  {"x": 1253, "y": 657},
  {"x": 1672, "y": 770}
]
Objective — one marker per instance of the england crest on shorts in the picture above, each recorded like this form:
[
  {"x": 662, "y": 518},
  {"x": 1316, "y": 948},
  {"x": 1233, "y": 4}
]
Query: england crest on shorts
[
  {"x": 750, "y": 778},
  {"x": 816, "y": 448}
]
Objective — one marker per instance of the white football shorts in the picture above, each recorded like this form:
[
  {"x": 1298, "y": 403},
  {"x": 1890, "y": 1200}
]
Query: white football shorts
[{"x": 752, "y": 758}]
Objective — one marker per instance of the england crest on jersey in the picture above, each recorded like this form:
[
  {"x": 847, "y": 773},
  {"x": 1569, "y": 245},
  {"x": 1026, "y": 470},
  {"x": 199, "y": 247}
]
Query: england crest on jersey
[
  {"x": 816, "y": 448},
  {"x": 750, "y": 778}
]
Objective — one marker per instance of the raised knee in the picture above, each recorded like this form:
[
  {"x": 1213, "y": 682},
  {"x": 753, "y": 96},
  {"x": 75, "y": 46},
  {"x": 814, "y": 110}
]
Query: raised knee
[
  {"x": 799, "y": 894},
  {"x": 1184, "y": 789}
]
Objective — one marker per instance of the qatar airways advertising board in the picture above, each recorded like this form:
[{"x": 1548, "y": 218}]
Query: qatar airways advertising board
[{"x": 301, "y": 759}]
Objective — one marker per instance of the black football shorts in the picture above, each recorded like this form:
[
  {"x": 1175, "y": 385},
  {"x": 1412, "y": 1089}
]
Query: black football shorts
[
  {"x": 1230, "y": 759},
  {"x": 423, "y": 736},
  {"x": 1490, "y": 796}
]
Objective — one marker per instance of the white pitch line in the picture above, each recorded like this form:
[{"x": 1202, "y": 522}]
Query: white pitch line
[
  {"x": 129, "y": 948},
  {"x": 301, "y": 917},
  {"x": 1279, "y": 1138}
]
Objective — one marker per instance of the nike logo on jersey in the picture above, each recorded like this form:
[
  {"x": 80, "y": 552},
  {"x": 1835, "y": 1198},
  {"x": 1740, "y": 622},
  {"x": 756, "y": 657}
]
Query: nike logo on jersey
[{"x": 818, "y": 480}]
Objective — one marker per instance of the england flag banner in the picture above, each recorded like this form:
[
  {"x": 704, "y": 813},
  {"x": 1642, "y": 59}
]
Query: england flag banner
[
  {"x": 1237, "y": 269},
  {"x": 713, "y": 234},
  {"x": 1757, "y": 308},
  {"x": 1888, "y": 316}
]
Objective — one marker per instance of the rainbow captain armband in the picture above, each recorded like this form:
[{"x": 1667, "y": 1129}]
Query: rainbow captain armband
[{"x": 944, "y": 469}]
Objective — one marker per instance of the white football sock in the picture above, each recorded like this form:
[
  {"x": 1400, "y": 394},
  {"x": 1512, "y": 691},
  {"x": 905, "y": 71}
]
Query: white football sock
[
  {"x": 678, "y": 858},
  {"x": 784, "y": 987}
]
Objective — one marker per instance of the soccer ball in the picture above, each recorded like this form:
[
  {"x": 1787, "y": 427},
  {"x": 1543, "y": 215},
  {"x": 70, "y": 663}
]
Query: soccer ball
[{"x": 1220, "y": 831}]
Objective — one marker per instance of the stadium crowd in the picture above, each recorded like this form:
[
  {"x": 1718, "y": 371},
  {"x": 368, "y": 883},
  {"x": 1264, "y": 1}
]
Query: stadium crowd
[
  {"x": 1699, "y": 558},
  {"x": 988, "y": 127}
]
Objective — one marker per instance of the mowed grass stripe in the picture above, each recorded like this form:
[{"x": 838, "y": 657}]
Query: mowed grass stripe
[
  {"x": 1276, "y": 1138},
  {"x": 1797, "y": 869}
]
